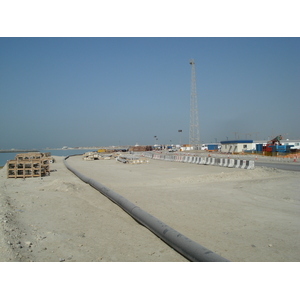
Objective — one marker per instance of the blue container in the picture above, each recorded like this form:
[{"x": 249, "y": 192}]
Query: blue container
[
  {"x": 280, "y": 148},
  {"x": 212, "y": 147},
  {"x": 259, "y": 147}
]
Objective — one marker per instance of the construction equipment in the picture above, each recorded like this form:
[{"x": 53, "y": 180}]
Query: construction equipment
[
  {"x": 275, "y": 141},
  {"x": 272, "y": 145}
]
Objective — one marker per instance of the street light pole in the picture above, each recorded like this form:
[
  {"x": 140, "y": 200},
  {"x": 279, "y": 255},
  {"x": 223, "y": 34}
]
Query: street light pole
[
  {"x": 155, "y": 137},
  {"x": 180, "y": 130}
]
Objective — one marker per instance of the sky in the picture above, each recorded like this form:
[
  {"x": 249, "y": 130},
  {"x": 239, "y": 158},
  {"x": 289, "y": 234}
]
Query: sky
[{"x": 99, "y": 91}]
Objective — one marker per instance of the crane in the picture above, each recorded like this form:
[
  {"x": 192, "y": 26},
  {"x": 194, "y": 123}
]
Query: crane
[{"x": 275, "y": 141}]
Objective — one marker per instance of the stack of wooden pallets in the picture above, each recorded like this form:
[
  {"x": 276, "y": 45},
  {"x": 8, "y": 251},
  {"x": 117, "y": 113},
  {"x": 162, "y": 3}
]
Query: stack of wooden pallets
[{"x": 27, "y": 165}]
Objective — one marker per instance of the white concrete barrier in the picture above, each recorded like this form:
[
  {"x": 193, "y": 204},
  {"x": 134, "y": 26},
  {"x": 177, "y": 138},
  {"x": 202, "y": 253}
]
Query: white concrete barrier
[
  {"x": 222, "y": 162},
  {"x": 244, "y": 164},
  {"x": 251, "y": 165},
  {"x": 208, "y": 159},
  {"x": 231, "y": 163},
  {"x": 203, "y": 161},
  {"x": 225, "y": 162},
  {"x": 238, "y": 163}
]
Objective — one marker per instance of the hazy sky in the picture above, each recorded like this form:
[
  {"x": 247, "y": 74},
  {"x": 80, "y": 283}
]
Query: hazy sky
[{"x": 58, "y": 92}]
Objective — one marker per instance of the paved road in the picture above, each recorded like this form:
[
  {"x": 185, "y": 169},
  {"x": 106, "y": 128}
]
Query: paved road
[{"x": 282, "y": 166}]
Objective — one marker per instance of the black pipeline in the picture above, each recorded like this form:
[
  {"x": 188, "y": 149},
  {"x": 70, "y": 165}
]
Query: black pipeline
[{"x": 188, "y": 248}]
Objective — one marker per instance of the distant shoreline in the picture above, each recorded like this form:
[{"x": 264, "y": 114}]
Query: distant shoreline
[
  {"x": 14, "y": 151},
  {"x": 35, "y": 150}
]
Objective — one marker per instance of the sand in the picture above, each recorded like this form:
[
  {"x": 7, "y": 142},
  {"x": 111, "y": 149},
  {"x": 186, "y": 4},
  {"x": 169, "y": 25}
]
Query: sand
[{"x": 242, "y": 215}]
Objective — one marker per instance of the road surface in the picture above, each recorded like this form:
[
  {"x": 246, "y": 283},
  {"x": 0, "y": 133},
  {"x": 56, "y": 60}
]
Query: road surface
[{"x": 282, "y": 166}]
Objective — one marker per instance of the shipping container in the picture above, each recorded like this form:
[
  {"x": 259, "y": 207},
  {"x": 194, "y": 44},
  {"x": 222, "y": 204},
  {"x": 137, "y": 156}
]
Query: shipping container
[
  {"x": 259, "y": 147},
  {"x": 212, "y": 147}
]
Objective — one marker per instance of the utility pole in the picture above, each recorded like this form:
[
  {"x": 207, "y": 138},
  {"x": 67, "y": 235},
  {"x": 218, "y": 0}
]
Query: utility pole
[{"x": 194, "y": 122}]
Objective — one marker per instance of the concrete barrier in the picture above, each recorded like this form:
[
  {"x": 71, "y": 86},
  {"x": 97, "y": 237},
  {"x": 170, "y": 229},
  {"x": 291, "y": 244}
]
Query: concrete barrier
[
  {"x": 251, "y": 165},
  {"x": 238, "y": 163},
  {"x": 231, "y": 163},
  {"x": 203, "y": 161},
  {"x": 124, "y": 161},
  {"x": 208, "y": 160},
  {"x": 169, "y": 157},
  {"x": 217, "y": 162},
  {"x": 213, "y": 161},
  {"x": 244, "y": 164},
  {"x": 225, "y": 162}
]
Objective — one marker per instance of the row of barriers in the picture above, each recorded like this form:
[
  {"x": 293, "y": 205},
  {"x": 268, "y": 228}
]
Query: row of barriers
[
  {"x": 213, "y": 161},
  {"x": 130, "y": 160}
]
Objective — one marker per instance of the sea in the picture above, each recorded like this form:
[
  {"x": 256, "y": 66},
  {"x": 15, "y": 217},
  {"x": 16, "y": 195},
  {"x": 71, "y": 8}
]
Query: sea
[{"x": 4, "y": 157}]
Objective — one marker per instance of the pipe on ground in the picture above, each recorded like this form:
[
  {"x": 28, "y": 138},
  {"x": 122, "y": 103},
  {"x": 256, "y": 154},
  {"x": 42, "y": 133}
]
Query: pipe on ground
[{"x": 188, "y": 248}]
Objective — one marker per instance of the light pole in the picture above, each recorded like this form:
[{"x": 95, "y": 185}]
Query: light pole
[
  {"x": 180, "y": 130},
  {"x": 155, "y": 138}
]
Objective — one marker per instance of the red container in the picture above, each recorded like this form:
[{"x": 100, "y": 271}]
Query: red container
[{"x": 267, "y": 148}]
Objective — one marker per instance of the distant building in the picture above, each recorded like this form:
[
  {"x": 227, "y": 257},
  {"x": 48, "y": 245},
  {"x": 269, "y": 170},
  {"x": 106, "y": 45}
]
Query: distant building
[
  {"x": 236, "y": 146},
  {"x": 294, "y": 143}
]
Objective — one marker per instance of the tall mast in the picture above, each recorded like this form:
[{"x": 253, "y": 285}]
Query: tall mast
[{"x": 194, "y": 122}]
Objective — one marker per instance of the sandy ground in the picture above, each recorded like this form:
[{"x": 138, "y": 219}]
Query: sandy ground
[{"x": 242, "y": 215}]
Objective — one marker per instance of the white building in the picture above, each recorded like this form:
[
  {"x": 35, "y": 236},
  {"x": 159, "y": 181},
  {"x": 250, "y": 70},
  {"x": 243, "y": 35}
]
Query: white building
[
  {"x": 237, "y": 146},
  {"x": 296, "y": 143}
]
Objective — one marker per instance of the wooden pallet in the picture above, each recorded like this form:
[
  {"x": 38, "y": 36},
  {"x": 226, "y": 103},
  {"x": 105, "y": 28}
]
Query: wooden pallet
[{"x": 29, "y": 165}]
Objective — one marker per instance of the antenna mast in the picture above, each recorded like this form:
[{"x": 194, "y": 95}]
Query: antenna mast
[{"x": 194, "y": 123}]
